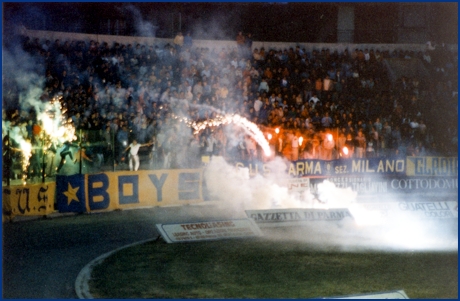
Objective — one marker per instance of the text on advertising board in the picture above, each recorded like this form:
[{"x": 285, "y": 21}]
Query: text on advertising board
[{"x": 208, "y": 230}]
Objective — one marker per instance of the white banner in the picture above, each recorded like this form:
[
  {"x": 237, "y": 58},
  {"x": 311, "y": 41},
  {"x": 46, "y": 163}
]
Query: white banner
[
  {"x": 209, "y": 230},
  {"x": 289, "y": 217}
]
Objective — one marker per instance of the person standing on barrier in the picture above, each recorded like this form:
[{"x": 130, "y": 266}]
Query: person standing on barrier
[
  {"x": 64, "y": 153},
  {"x": 81, "y": 156},
  {"x": 133, "y": 154}
]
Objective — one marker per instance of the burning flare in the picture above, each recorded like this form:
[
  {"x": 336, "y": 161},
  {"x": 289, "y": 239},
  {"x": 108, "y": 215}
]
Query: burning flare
[{"x": 55, "y": 129}]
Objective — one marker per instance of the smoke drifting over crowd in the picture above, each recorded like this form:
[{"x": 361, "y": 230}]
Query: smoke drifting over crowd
[
  {"x": 233, "y": 188},
  {"x": 143, "y": 28}
]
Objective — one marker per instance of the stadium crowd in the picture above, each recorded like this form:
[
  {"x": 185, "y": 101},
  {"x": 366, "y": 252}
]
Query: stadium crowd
[{"x": 310, "y": 105}]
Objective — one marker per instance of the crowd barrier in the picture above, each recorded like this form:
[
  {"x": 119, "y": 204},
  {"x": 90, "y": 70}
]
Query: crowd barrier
[
  {"x": 104, "y": 192},
  {"x": 108, "y": 191},
  {"x": 28, "y": 200}
]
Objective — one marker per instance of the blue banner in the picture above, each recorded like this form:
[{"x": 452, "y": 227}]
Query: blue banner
[
  {"x": 369, "y": 167},
  {"x": 395, "y": 166},
  {"x": 70, "y": 193}
]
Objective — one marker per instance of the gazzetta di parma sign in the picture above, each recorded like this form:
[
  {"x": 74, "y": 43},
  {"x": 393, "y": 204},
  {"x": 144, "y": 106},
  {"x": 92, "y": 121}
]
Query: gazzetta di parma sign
[{"x": 288, "y": 217}]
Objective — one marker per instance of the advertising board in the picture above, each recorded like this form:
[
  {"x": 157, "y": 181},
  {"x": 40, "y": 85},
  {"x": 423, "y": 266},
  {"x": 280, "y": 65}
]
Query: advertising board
[{"x": 208, "y": 230}]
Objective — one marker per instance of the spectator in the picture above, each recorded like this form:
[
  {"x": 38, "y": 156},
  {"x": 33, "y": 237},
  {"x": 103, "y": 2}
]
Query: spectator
[
  {"x": 240, "y": 43},
  {"x": 133, "y": 154},
  {"x": 133, "y": 85},
  {"x": 188, "y": 41},
  {"x": 263, "y": 86},
  {"x": 360, "y": 145},
  {"x": 314, "y": 100},
  {"x": 82, "y": 155},
  {"x": 248, "y": 44},
  {"x": 257, "y": 106},
  {"x": 178, "y": 42},
  {"x": 326, "y": 121}
]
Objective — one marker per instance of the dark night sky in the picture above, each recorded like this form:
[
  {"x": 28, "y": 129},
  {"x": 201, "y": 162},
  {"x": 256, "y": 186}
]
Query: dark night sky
[{"x": 267, "y": 21}]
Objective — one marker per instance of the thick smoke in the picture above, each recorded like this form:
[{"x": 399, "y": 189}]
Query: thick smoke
[
  {"x": 235, "y": 191},
  {"x": 27, "y": 73},
  {"x": 26, "y": 78},
  {"x": 236, "y": 186},
  {"x": 23, "y": 89}
]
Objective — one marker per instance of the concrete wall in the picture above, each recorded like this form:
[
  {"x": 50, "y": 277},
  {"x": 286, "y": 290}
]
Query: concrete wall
[{"x": 110, "y": 39}]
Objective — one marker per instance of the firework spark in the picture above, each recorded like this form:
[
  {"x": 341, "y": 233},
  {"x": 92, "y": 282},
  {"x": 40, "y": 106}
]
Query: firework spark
[
  {"x": 55, "y": 125},
  {"x": 55, "y": 129},
  {"x": 250, "y": 128}
]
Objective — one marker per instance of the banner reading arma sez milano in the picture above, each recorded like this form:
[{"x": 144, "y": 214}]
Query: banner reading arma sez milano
[{"x": 392, "y": 166}]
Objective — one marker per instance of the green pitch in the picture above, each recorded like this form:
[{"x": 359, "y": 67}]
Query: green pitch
[{"x": 262, "y": 268}]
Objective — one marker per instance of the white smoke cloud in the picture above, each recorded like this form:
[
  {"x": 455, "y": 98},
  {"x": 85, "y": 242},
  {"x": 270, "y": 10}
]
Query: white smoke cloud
[
  {"x": 27, "y": 72},
  {"x": 143, "y": 27},
  {"x": 235, "y": 190},
  {"x": 235, "y": 187}
]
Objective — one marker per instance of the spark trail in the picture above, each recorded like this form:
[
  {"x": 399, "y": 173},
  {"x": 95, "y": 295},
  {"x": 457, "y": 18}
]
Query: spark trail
[{"x": 249, "y": 128}]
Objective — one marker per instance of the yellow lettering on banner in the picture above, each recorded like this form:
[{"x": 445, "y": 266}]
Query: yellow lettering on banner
[
  {"x": 309, "y": 167},
  {"x": 305, "y": 168},
  {"x": 300, "y": 168},
  {"x": 318, "y": 168},
  {"x": 253, "y": 171},
  {"x": 356, "y": 166},
  {"x": 292, "y": 170},
  {"x": 266, "y": 169},
  {"x": 390, "y": 166},
  {"x": 367, "y": 167},
  {"x": 400, "y": 165}
]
